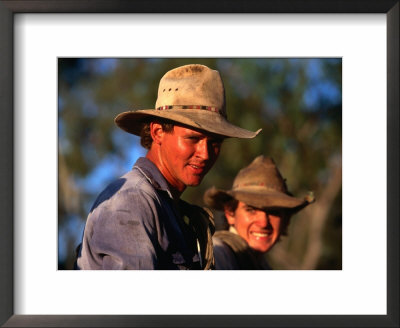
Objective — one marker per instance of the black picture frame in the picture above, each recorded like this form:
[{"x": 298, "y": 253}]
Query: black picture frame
[{"x": 11, "y": 7}]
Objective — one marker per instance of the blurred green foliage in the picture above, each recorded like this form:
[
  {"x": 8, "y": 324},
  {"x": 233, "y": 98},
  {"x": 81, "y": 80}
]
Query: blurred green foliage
[{"x": 297, "y": 103}]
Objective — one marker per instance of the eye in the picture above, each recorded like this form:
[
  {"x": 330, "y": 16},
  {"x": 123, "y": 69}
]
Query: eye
[
  {"x": 278, "y": 213},
  {"x": 192, "y": 138},
  {"x": 250, "y": 209},
  {"x": 215, "y": 142}
]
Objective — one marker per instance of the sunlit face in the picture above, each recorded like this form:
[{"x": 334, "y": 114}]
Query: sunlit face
[
  {"x": 186, "y": 155},
  {"x": 259, "y": 228}
]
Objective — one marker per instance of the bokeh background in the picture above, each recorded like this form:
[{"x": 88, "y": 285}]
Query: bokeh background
[{"x": 297, "y": 102}]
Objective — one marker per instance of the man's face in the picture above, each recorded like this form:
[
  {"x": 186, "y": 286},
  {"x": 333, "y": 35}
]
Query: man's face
[
  {"x": 187, "y": 155},
  {"x": 260, "y": 229}
]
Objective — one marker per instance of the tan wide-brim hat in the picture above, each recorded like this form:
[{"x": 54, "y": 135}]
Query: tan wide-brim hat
[
  {"x": 192, "y": 95},
  {"x": 260, "y": 185}
]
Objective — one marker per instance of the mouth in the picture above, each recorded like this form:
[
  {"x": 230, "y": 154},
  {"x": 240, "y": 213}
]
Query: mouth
[
  {"x": 259, "y": 234},
  {"x": 197, "y": 168}
]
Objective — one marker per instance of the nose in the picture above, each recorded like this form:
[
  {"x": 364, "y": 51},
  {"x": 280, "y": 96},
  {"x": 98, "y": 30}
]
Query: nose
[
  {"x": 263, "y": 219},
  {"x": 202, "y": 150}
]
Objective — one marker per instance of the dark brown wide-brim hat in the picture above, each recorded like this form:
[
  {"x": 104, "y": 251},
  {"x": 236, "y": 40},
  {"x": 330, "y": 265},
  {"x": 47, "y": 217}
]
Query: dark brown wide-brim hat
[
  {"x": 260, "y": 185},
  {"x": 192, "y": 95}
]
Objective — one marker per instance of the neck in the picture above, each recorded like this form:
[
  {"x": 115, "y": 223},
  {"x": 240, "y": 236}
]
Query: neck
[{"x": 175, "y": 189}]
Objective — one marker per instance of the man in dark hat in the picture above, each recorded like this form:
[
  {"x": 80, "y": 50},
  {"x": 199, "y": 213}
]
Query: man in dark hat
[
  {"x": 139, "y": 221},
  {"x": 258, "y": 209}
]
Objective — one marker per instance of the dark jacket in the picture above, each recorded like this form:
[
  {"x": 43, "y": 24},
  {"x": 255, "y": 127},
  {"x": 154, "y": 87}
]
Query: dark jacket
[{"x": 232, "y": 252}]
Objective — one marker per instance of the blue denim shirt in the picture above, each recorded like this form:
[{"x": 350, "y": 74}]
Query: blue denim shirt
[{"x": 134, "y": 224}]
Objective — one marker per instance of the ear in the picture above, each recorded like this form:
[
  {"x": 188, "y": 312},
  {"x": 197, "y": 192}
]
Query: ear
[
  {"x": 230, "y": 216},
  {"x": 156, "y": 132}
]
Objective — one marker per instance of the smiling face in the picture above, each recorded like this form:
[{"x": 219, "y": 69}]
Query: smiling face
[
  {"x": 259, "y": 228},
  {"x": 183, "y": 156}
]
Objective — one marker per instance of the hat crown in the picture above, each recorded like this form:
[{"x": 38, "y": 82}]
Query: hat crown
[
  {"x": 192, "y": 85},
  {"x": 261, "y": 173}
]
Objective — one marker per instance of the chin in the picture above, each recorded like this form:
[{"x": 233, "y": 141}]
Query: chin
[
  {"x": 262, "y": 248},
  {"x": 194, "y": 182}
]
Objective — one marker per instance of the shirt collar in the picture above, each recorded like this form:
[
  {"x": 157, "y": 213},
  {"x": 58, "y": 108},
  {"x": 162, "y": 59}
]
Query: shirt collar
[
  {"x": 233, "y": 230},
  {"x": 152, "y": 174}
]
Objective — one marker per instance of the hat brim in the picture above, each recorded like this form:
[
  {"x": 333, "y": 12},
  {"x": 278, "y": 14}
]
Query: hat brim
[
  {"x": 132, "y": 121},
  {"x": 265, "y": 199}
]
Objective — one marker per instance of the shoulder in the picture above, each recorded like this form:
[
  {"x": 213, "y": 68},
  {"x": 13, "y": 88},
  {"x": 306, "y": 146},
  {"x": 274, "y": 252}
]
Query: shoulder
[
  {"x": 224, "y": 256},
  {"x": 245, "y": 257},
  {"x": 131, "y": 186},
  {"x": 130, "y": 197},
  {"x": 234, "y": 241}
]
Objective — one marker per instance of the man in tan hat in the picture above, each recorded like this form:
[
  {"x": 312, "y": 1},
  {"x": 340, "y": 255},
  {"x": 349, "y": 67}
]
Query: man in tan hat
[
  {"x": 258, "y": 209},
  {"x": 139, "y": 221}
]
